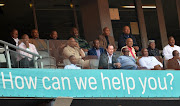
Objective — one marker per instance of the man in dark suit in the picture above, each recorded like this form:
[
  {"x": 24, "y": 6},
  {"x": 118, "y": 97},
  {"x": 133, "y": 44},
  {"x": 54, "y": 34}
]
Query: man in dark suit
[
  {"x": 108, "y": 60},
  {"x": 96, "y": 50},
  {"x": 13, "y": 39},
  {"x": 122, "y": 39}
]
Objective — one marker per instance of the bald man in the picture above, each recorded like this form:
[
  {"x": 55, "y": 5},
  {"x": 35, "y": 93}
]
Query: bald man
[
  {"x": 54, "y": 35},
  {"x": 129, "y": 45},
  {"x": 149, "y": 62},
  {"x": 174, "y": 63},
  {"x": 26, "y": 58},
  {"x": 126, "y": 34},
  {"x": 73, "y": 49}
]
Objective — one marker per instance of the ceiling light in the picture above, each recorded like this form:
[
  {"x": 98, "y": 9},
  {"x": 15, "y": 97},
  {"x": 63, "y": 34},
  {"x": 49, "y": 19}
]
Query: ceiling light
[
  {"x": 2, "y": 4},
  {"x": 142, "y": 6}
]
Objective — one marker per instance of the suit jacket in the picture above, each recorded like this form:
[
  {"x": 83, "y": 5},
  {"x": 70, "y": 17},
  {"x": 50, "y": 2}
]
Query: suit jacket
[
  {"x": 11, "y": 41},
  {"x": 103, "y": 42},
  {"x": 122, "y": 40},
  {"x": 103, "y": 62},
  {"x": 173, "y": 64},
  {"x": 92, "y": 51}
]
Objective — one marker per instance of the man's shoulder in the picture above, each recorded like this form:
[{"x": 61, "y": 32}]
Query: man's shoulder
[
  {"x": 166, "y": 46},
  {"x": 101, "y": 37}
]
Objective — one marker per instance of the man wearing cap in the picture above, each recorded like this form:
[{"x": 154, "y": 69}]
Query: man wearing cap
[{"x": 152, "y": 50}]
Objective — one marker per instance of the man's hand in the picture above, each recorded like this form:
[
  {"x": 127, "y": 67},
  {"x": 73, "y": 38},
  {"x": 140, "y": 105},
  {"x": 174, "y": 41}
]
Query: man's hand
[
  {"x": 85, "y": 50},
  {"x": 77, "y": 45},
  {"x": 26, "y": 43},
  {"x": 157, "y": 67},
  {"x": 118, "y": 65},
  {"x": 136, "y": 48}
]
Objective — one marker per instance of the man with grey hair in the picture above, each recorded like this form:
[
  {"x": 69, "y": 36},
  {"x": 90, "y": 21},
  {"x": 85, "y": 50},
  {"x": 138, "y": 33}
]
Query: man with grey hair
[{"x": 152, "y": 50}]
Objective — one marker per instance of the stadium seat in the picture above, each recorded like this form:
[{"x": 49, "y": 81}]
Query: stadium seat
[
  {"x": 48, "y": 62},
  {"x": 94, "y": 63},
  {"x": 43, "y": 53}
]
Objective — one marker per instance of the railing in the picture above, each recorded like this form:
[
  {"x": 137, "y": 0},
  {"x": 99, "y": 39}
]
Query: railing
[{"x": 7, "y": 53}]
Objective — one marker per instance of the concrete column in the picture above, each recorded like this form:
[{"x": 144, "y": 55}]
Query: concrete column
[
  {"x": 178, "y": 10},
  {"x": 142, "y": 25},
  {"x": 95, "y": 16},
  {"x": 162, "y": 25}
]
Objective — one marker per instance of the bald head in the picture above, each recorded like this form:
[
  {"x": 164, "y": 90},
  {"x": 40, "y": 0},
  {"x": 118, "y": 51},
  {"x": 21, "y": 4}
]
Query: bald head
[
  {"x": 106, "y": 31},
  {"x": 54, "y": 35},
  {"x": 125, "y": 51},
  {"x": 171, "y": 41},
  {"x": 175, "y": 53},
  {"x": 144, "y": 52},
  {"x": 72, "y": 42},
  {"x": 126, "y": 30},
  {"x": 14, "y": 33},
  {"x": 25, "y": 38},
  {"x": 35, "y": 33},
  {"x": 129, "y": 42}
]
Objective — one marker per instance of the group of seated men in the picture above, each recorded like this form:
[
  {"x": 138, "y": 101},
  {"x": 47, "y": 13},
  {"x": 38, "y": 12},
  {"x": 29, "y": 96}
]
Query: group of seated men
[{"x": 104, "y": 48}]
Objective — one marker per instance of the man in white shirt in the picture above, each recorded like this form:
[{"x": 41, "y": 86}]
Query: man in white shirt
[
  {"x": 73, "y": 64},
  {"x": 167, "y": 50},
  {"x": 26, "y": 58},
  {"x": 149, "y": 62}
]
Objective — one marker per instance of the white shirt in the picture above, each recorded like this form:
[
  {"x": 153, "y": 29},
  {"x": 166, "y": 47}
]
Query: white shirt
[
  {"x": 149, "y": 62},
  {"x": 31, "y": 48},
  {"x": 178, "y": 61},
  {"x": 167, "y": 51},
  {"x": 16, "y": 40},
  {"x": 72, "y": 66},
  {"x": 109, "y": 58}
]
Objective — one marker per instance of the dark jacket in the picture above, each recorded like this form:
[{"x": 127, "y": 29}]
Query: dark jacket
[
  {"x": 92, "y": 51},
  {"x": 103, "y": 62},
  {"x": 153, "y": 52},
  {"x": 11, "y": 41},
  {"x": 122, "y": 40}
]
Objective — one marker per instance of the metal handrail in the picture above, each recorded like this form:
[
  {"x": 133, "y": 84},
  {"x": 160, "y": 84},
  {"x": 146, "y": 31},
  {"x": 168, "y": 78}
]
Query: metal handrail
[
  {"x": 7, "y": 45},
  {"x": 15, "y": 47}
]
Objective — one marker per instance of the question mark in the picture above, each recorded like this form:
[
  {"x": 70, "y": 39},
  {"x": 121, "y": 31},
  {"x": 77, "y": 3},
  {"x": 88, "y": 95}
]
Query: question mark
[{"x": 172, "y": 78}]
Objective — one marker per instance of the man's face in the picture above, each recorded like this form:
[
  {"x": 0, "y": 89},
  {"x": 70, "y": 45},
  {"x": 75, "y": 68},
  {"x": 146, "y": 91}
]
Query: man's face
[
  {"x": 72, "y": 42},
  {"x": 54, "y": 35},
  {"x": 110, "y": 50},
  {"x": 171, "y": 41},
  {"x": 14, "y": 34},
  {"x": 96, "y": 44},
  {"x": 152, "y": 45},
  {"x": 145, "y": 52},
  {"x": 73, "y": 60},
  {"x": 75, "y": 32},
  {"x": 176, "y": 53},
  {"x": 25, "y": 38},
  {"x": 107, "y": 31},
  {"x": 126, "y": 52},
  {"x": 126, "y": 30},
  {"x": 35, "y": 33},
  {"x": 129, "y": 42}
]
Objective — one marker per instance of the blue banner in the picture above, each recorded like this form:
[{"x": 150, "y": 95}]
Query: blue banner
[{"x": 89, "y": 83}]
